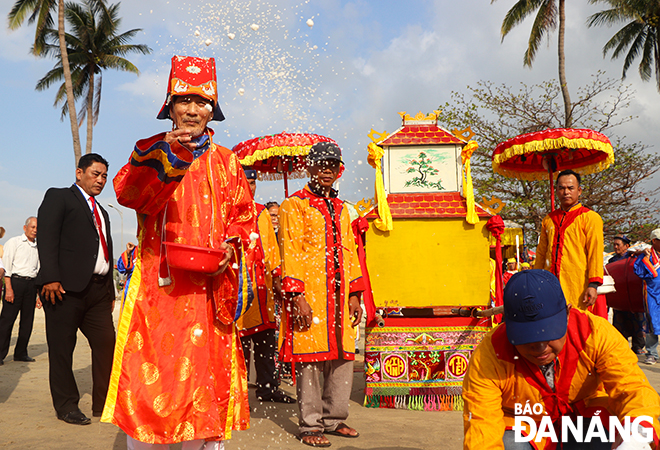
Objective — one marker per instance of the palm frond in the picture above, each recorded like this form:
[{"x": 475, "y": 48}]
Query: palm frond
[
  {"x": 519, "y": 13},
  {"x": 546, "y": 20}
]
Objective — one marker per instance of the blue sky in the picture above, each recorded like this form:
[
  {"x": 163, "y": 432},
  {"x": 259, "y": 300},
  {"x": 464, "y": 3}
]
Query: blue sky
[{"x": 359, "y": 65}]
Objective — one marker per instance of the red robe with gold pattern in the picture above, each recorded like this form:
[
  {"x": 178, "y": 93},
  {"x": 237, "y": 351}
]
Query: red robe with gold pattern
[{"x": 178, "y": 371}]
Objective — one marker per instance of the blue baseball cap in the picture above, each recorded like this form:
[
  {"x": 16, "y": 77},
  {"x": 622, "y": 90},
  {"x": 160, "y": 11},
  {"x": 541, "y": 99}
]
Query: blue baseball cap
[
  {"x": 534, "y": 307},
  {"x": 250, "y": 174},
  {"x": 623, "y": 238}
]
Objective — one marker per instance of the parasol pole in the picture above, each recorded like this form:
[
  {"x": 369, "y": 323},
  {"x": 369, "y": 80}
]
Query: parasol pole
[
  {"x": 552, "y": 190},
  {"x": 286, "y": 185}
]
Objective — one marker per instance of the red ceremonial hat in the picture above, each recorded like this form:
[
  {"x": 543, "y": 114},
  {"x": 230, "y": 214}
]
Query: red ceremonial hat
[{"x": 192, "y": 76}]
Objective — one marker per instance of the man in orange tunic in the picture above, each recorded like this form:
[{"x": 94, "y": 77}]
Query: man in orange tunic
[
  {"x": 178, "y": 373},
  {"x": 323, "y": 283},
  {"x": 571, "y": 244}
]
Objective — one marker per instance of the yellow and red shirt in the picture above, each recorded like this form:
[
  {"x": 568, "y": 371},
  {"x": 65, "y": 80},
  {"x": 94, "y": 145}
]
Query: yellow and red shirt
[
  {"x": 594, "y": 369},
  {"x": 313, "y": 229},
  {"x": 571, "y": 247},
  {"x": 268, "y": 264}
]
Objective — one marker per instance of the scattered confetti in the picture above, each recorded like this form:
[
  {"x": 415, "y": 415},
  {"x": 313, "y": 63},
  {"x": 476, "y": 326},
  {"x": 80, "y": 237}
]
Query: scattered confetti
[
  {"x": 254, "y": 27},
  {"x": 231, "y": 35},
  {"x": 208, "y": 42},
  {"x": 310, "y": 23}
]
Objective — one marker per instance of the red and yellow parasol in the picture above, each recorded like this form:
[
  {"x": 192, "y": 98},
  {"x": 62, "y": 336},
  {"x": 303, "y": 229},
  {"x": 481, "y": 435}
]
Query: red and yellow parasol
[
  {"x": 536, "y": 156},
  {"x": 278, "y": 156}
]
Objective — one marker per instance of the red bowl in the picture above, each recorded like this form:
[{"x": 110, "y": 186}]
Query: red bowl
[{"x": 194, "y": 259}]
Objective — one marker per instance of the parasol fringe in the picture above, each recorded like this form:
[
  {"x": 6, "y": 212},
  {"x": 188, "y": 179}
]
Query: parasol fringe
[
  {"x": 274, "y": 176},
  {"x": 554, "y": 144},
  {"x": 260, "y": 155},
  {"x": 537, "y": 176},
  {"x": 549, "y": 145}
]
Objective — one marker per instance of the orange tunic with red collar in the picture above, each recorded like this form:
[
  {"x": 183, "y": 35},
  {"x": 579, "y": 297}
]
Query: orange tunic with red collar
[
  {"x": 312, "y": 233},
  {"x": 571, "y": 247},
  {"x": 594, "y": 369},
  {"x": 178, "y": 371}
]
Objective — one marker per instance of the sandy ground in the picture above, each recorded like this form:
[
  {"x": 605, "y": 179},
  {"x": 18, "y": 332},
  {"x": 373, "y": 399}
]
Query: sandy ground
[{"x": 27, "y": 418}]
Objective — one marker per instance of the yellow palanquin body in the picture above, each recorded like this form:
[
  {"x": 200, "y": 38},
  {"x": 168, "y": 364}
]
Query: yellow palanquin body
[{"x": 441, "y": 261}]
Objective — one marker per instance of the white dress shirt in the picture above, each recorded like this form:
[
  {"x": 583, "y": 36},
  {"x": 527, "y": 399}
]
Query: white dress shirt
[
  {"x": 102, "y": 266},
  {"x": 21, "y": 257}
]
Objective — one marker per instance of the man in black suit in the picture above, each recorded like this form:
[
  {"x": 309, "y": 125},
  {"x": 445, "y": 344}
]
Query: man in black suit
[{"x": 75, "y": 251}]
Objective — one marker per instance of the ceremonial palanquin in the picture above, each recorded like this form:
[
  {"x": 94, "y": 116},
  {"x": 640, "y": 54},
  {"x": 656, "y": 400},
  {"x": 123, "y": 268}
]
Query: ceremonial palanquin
[{"x": 427, "y": 251}]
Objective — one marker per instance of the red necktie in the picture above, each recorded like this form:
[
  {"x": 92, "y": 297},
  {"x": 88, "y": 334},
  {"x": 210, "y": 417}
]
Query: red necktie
[{"x": 99, "y": 228}]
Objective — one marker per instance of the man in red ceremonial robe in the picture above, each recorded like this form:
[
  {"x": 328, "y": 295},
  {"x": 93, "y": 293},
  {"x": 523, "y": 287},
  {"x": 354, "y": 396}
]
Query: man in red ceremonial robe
[{"x": 178, "y": 373}]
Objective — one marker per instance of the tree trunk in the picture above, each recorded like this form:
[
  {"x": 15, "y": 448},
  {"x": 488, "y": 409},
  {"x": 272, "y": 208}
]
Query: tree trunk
[
  {"x": 90, "y": 111},
  {"x": 568, "y": 119},
  {"x": 68, "y": 83}
]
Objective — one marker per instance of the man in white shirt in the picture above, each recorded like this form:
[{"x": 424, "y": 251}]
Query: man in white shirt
[{"x": 21, "y": 260}]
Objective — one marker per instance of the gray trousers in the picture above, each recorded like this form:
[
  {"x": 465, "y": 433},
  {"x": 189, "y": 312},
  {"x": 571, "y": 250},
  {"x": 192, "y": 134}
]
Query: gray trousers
[{"x": 323, "y": 407}]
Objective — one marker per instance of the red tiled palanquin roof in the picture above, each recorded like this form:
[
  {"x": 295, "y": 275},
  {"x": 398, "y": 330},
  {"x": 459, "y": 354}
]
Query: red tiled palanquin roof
[
  {"x": 422, "y": 134},
  {"x": 428, "y": 205}
]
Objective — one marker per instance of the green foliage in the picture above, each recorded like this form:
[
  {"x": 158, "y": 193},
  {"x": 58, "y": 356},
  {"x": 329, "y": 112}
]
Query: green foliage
[
  {"x": 639, "y": 36},
  {"x": 621, "y": 194},
  {"x": 93, "y": 45},
  {"x": 40, "y": 13},
  {"x": 546, "y": 19}
]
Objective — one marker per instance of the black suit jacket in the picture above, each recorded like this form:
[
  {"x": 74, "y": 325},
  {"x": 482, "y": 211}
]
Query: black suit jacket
[{"x": 68, "y": 240}]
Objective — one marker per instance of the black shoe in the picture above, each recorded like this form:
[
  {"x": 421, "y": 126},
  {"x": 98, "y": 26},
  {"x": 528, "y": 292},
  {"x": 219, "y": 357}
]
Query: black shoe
[
  {"x": 277, "y": 397},
  {"x": 26, "y": 359},
  {"x": 2, "y": 363},
  {"x": 75, "y": 417}
]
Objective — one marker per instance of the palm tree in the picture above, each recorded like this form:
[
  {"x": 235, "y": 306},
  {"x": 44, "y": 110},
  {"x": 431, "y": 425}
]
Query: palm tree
[
  {"x": 639, "y": 36},
  {"x": 550, "y": 14},
  {"x": 40, "y": 12},
  {"x": 93, "y": 46}
]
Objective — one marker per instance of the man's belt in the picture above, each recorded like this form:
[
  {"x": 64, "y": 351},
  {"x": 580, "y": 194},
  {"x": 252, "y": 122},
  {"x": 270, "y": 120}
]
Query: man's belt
[
  {"x": 20, "y": 277},
  {"x": 99, "y": 278}
]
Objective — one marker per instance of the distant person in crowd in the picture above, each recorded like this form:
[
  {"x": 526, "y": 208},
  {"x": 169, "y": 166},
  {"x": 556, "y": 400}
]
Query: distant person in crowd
[
  {"x": 179, "y": 374},
  {"x": 274, "y": 212},
  {"x": 21, "y": 261},
  {"x": 525, "y": 266},
  {"x": 647, "y": 267},
  {"x": 570, "y": 362},
  {"x": 2, "y": 277},
  {"x": 2, "y": 234},
  {"x": 257, "y": 325},
  {"x": 323, "y": 284},
  {"x": 571, "y": 243},
  {"x": 75, "y": 252},
  {"x": 283, "y": 368},
  {"x": 510, "y": 270},
  {"x": 125, "y": 266},
  {"x": 630, "y": 324}
]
